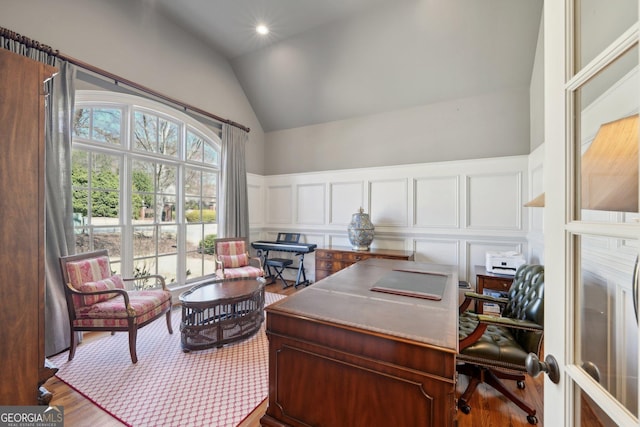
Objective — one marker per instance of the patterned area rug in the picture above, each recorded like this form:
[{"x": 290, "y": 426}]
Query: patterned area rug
[{"x": 167, "y": 387}]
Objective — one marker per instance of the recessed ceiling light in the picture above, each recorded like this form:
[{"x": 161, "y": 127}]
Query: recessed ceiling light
[{"x": 262, "y": 29}]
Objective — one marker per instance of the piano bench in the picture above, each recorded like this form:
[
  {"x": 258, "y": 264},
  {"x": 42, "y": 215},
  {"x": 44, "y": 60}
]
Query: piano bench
[{"x": 279, "y": 265}]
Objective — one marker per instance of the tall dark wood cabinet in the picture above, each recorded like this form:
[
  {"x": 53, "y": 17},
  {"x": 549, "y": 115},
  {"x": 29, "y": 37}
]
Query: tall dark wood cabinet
[{"x": 22, "y": 98}]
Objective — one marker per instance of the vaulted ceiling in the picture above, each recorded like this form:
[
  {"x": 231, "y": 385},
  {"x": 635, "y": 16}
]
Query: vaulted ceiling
[{"x": 327, "y": 60}]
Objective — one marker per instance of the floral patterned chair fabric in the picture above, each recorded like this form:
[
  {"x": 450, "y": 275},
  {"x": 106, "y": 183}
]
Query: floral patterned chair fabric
[
  {"x": 233, "y": 260},
  {"x": 98, "y": 301}
]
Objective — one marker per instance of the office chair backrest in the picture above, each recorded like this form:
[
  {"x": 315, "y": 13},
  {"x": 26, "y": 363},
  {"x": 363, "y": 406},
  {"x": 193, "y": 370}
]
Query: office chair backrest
[{"x": 526, "y": 302}]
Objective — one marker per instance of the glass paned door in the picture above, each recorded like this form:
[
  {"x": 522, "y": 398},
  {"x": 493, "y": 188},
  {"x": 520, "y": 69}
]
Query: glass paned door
[{"x": 592, "y": 229}]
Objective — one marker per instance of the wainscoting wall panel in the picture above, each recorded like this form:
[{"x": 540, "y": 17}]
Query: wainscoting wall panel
[
  {"x": 310, "y": 204},
  {"x": 438, "y": 251},
  {"x": 487, "y": 191},
  {"x": 388, "y": 200},
  {"x": 345, "y": 197},
  {"x": 446, "y": 212},
  {"x": 256, "y": 206},
  {"x": 279, "y": 204},
  {"x": 437, "y": 202}
]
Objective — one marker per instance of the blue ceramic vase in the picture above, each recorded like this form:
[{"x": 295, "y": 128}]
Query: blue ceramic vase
[{"x": 360, "y": 231}]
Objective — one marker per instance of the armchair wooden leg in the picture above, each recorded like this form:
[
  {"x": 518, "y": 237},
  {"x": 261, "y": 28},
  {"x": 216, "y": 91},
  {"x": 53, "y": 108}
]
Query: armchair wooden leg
[
  {"x": 169, "y": 327},
  {"x": 73, "y": 342},
  {"x": 133, "y": 333}
]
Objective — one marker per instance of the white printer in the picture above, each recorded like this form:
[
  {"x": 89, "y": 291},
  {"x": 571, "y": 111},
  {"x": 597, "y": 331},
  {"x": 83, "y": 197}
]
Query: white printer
[{"x": 503, "y": 262}]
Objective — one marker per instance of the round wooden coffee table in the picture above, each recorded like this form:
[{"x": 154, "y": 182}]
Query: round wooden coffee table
[{"x": 217, "y": 313}]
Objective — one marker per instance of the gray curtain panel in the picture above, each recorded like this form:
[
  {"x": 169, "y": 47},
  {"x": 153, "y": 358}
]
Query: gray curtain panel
[
  {"x": 233, "y": 220},
  {"x": 59, "y": 239}
]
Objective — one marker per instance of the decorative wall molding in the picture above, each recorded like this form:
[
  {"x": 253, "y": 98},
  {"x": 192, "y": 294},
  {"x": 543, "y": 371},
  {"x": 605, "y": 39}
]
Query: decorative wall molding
[
  {"x": 446, "y": 212},
  {"x": 389, "y": 202},
  {"x": 339, "y": 211},
  {"x": 436, "y": 202},
  {"x": 310, "y": 204},
  {"x": 487, "y": 191}
]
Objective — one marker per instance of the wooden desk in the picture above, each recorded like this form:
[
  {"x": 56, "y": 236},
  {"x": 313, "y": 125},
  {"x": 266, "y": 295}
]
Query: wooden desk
[
  {"x": 343, "y": 355},
  {"x": 335, "y": 258},
  {"x": 486, "y": 280}
]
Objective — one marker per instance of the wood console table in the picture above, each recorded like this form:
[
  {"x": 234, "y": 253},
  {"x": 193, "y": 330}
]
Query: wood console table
[
  {"x": 343, "y": 355},
  {"x": 334, "y": 258}
]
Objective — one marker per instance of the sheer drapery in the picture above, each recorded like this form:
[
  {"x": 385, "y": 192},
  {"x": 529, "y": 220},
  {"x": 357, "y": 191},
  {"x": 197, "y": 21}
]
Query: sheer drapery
[
  {"x": 233, "y": 220},
  {"x": 59, "y": 239}
]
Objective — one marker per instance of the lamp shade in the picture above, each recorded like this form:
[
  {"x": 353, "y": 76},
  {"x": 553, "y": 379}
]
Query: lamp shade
[{"x": 610, "y": 168}]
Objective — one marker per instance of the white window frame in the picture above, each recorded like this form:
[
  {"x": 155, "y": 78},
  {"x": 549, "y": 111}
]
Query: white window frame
[{"x": 129, "y": 103}]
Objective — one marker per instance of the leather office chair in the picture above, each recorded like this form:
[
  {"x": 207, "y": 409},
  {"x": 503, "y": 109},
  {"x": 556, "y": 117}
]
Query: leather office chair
[
  {"x": 97, "y": 300},
  {"x": 233, "y": 260},
  {"x": 494, "y": 348}
]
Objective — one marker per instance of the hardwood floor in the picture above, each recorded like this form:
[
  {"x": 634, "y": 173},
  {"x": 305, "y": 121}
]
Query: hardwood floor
[{"x": 489, "y": 408}]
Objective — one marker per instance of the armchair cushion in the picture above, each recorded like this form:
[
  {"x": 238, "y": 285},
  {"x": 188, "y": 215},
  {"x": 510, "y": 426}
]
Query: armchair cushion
[
  {"x": 247, "y": 271},
  {"x": 231, "y": 247},
  {"x": 234, "y": 261},
  {"x": 113, "y": 282},
  {"x": 144, "y": 305},
  {"x": 497, "y": 343},
  {"x": 88, "y": 270}
]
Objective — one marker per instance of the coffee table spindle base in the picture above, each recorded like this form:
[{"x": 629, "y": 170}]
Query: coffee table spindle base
[{"x": 215, "y": 314}]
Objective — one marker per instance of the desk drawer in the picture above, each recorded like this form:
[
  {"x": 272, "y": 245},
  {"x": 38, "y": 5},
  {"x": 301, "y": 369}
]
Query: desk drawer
[
  {"x": 330, "y": 265},
  {"x": 329, "y": 261},
  {"x": 341, "y": 256},
  {"x": 497, "y": 283}
]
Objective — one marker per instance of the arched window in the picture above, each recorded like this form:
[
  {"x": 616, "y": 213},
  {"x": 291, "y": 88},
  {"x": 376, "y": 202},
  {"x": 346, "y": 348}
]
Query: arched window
[{"x": 145, "y": 184}]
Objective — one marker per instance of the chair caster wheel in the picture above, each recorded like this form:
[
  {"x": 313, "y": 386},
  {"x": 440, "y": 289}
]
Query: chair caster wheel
[
  {"x": 532, "y": 419},
  {"x": 520, "y": 385},
  {"x": 464, "y": 407}
]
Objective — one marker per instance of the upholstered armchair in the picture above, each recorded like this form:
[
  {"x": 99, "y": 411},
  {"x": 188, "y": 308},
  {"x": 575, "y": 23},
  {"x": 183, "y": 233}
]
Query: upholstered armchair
[
  {"x": 495, "y": 348},
  {"x": 97, "y": 300},
  {"x": 233, "y": 260}
]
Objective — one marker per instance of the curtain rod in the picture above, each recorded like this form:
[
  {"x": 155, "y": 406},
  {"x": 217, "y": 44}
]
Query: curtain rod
[{"x": 117, "y": 79}]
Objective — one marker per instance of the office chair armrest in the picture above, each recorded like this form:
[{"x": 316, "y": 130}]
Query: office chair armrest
[
  {"x": 471, "y": 296},
  {"x": 485, "y": 320},
  {"x": 486, "y": 298},
  {"x": 509, "y": 322}
]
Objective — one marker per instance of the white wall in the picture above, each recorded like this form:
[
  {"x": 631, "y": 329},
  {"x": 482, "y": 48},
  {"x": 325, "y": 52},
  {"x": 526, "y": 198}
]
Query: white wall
[
  {"x": 489, "y": 125},
  {"x": 130, "y": 39},
  {"x": 446, "y": 212},
  {"x": 536, "y": 93}
]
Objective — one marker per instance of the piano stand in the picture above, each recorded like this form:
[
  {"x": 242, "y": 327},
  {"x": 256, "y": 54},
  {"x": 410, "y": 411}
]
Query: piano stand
[
  {"x": 302, "y": 273},
  {"x": 287, "y": 242},
  {"x": 278, "y": 265}
]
